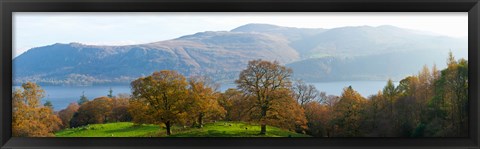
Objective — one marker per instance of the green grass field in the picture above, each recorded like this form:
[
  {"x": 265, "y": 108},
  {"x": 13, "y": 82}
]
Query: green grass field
[
  {"x": 121, "y": 129},
  {"x": 218, "y": 129}
]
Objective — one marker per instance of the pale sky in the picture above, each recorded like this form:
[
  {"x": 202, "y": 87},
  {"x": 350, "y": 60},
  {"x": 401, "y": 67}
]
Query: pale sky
[{"x": 35, "y": 29}]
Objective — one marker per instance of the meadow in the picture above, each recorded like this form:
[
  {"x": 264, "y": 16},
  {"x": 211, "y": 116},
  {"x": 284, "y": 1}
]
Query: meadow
[{"x": 216, "y": 129}]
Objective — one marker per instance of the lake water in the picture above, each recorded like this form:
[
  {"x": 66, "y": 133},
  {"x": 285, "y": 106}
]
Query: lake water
[{"x": 61, "y": 96}]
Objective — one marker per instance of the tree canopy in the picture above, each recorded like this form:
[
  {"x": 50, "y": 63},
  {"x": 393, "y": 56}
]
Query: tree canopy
[
  {"x": 268, "y": 83},
  {"x": 164, "y": 96},
  {"x": 30, "y": 118}
]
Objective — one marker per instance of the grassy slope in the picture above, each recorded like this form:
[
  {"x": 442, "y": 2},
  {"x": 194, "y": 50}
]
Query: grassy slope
[
  {"x": 121, "y": 129},
  {"x": 218, "y": 129}
]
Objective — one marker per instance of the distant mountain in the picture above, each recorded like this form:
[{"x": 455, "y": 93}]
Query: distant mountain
[
  {"x": 222, "y": 54},
  {"x": 346, "y": 53},
  {"x": 395, "y": 65},
  {"x": 290, "y": 33}
]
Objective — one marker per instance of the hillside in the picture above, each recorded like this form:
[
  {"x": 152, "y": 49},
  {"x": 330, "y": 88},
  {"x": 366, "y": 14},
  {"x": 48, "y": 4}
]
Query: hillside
[
  {"x": 211, "y": 53},
  {"x": 395, "y": 65},
  {"x": 222, "y": 54},
  {"x": 218, "y": 129}
]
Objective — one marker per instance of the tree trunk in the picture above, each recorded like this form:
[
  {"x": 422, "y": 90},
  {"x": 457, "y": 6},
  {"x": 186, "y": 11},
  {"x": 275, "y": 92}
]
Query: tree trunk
[
  {"x": 263, "y": 130},
  {"x": 167, "y": 124},
  {"x": 200, "y": 120}
]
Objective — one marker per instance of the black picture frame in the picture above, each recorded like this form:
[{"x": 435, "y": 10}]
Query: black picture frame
[{"x": 9, "y": 6}]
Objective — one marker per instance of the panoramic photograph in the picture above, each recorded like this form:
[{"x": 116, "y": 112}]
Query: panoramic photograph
[{"x": 240, "y": 74}]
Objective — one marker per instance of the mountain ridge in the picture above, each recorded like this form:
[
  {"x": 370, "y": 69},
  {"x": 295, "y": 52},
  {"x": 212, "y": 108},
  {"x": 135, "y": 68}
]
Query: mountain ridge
[{"x": 223, "y": 54}]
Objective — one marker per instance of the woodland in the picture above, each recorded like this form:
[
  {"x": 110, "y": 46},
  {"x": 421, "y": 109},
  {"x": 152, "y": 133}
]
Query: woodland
[{"x": 432, "y": 103}]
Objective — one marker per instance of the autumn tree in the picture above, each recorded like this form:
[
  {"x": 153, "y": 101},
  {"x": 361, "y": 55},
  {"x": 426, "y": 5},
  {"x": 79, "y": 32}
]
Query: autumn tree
[
  {"x": 30, "y": 118},
  {"x": 204, "y": 98},
  {"x": 460, "y": 87},
  {"x": 310, "y": 99},
  {"x": 96, "y": 111},
  {"x": 120, "y": 109},
  {"x": 304, "y": 93},
  {"x": 348, "y": 113},
  {"x": 406, "y": 118},
  {"x": 390, "y": 94},
  {"x": 318, "y": 117},
  {"x": 433, "y": 103},
  {"x": 235, "y": 104},
  {"x": 408, "y": 107},
  {"x": 139, "y": 112},
  {"x": 164, "y": 95},
  {"x": 285, "y": 112},
  {"x": 408, "y": 86},
  {"x": 449, "y": 105},
  {"x": 424, "y": 91},
  {"x": 268, "y": 82},
  {"x": 375, "y": 116},
  {"x": 67, "y": 114},
  {"x": 331, "y": 102}
]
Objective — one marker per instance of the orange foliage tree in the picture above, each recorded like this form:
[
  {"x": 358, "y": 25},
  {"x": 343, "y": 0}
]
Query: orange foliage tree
[
  {"x": 30, "y": 118},
  {"x": 96, "y": 111},
  {"x": 120, "y": 112},
  {"x": 235, "y": 104},
  {"x": 269, "y": 84},
  {"x": 204, "y": 98},
  {"x": 348, "y": 113},
  {"x": 162, "y": 98},
  {"x": 318, "y": 118},
  {"x": 67, "y": 114}
]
